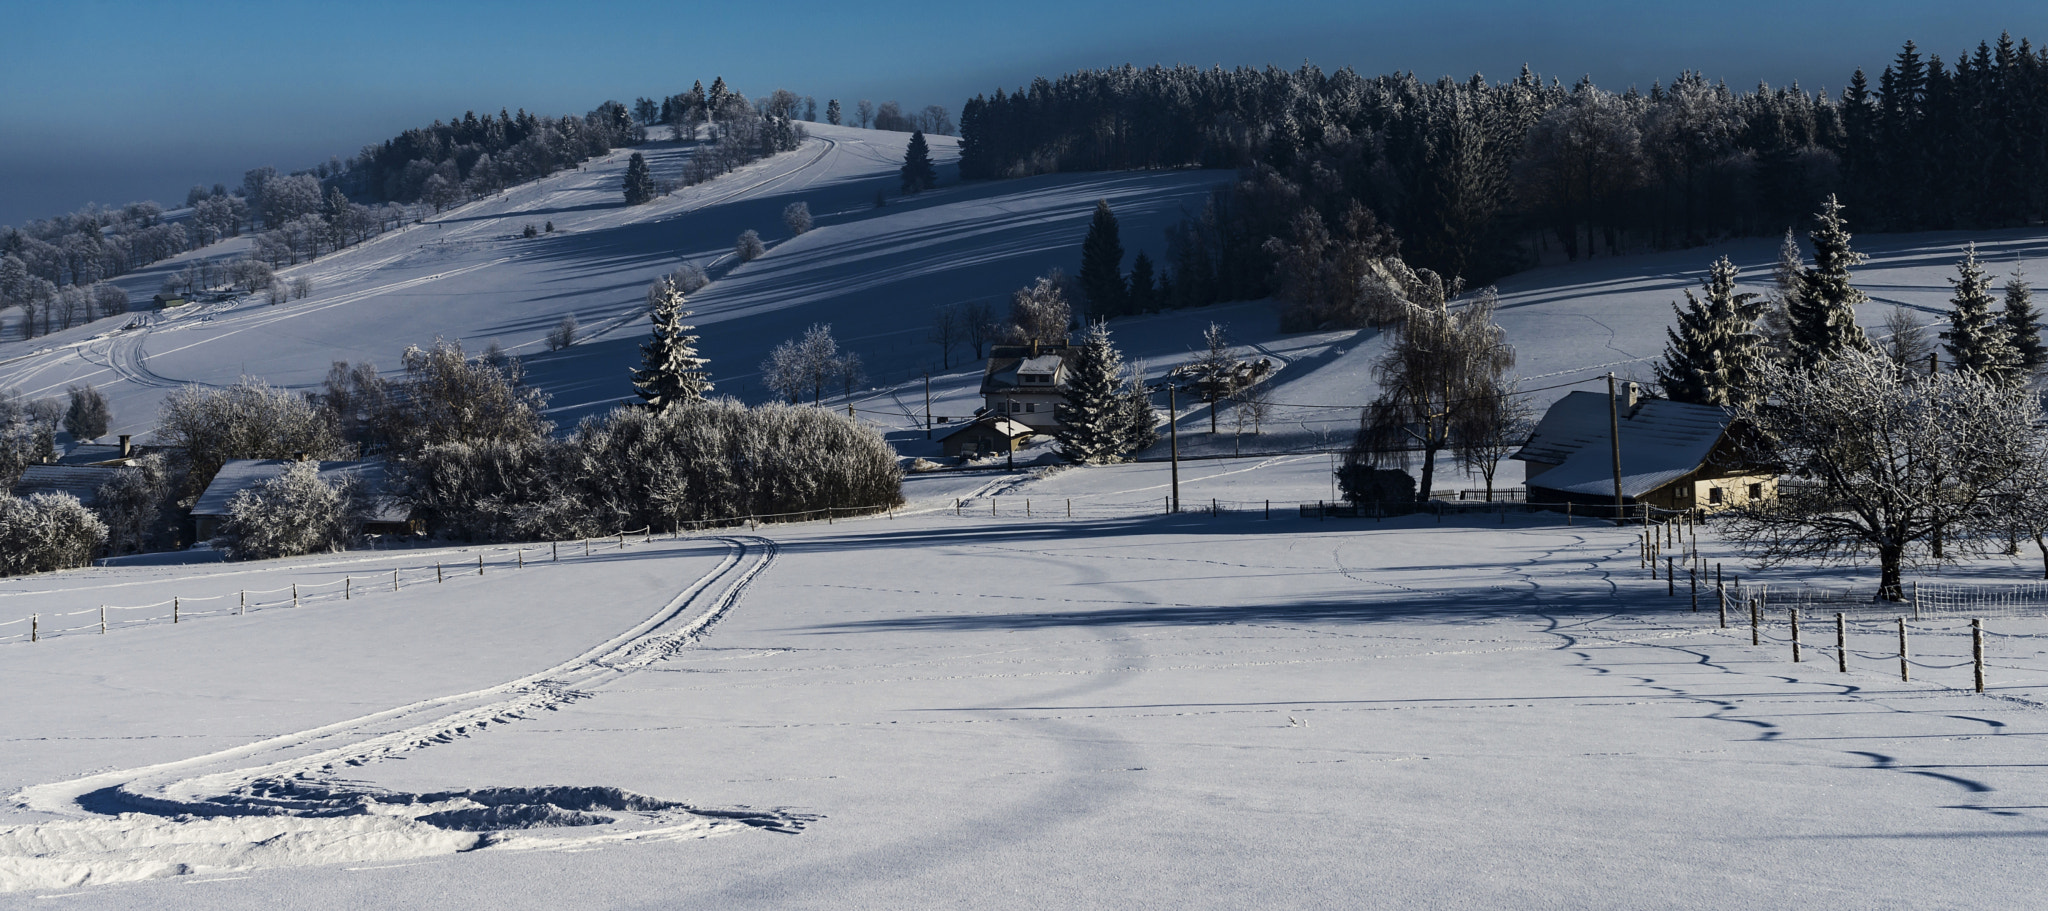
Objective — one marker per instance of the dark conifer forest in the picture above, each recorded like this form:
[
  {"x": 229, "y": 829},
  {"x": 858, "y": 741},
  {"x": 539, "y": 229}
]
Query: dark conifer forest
[{"x": 1478, "y": 178}]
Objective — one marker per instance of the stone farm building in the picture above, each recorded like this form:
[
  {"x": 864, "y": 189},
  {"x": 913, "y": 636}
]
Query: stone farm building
[{"x": 1674, "y": 456}]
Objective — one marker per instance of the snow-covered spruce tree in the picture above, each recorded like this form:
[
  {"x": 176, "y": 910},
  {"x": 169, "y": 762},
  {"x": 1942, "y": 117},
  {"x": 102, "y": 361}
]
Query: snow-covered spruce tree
[
  {"x": 639, "y": 180},
  {"x": 1440, "y": 363},
  {"x": 1141, "y": 421},
  {"x": 1095, "y": 419},
  {"x": 47, "y": 532},
  {"x": 1713, "y": 352},
  {"x": 1102, "y": 263},
  {"x": 1885, "y": 463},
  {"x": 918, "y": 172},
  {"x": 670, "y": 371},
  {"x": 2023, "y": 325},
  {"x": 1976, "y": 339},
  {"x": 1823, "y": 314},
  {"x": 291, "y": 514}
]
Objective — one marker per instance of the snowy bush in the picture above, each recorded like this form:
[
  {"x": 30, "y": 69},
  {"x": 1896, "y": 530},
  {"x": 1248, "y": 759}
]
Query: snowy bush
[
  {"x": 135, "y": 503},
  {"x": 47, "y": 532},
  {"x": 749, "y": 247},
  {"x": 797, "y": 216},
  {"x": 291, "y": 514},
  {"x": 497, "y": 490},
  {"x": 249, "y": 420},
  {"x": 1390, "y": 489},
  {"x": 564, "y": 333}
]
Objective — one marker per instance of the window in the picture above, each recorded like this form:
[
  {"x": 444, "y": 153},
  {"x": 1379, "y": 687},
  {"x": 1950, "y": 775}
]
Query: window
[
  {"x": 1713, "y": 494},
  {"x": 1685, "y": 493},
  {"x": 1756, "y": 491},
  {"x": 1031, "y": 407}
]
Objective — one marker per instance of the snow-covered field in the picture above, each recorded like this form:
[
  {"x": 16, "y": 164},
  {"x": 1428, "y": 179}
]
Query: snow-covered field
[
  {"x": 1023, "y": 690},
  {"x": 1123, "y": 709}
]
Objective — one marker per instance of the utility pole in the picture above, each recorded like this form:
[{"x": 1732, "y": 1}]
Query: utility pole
[
  {"x": 1614, "y": 434},
  {"x": 1010, "y": 442},
  {"x": 927, "y": 405},
  {"x": 1173, "y": 434}
]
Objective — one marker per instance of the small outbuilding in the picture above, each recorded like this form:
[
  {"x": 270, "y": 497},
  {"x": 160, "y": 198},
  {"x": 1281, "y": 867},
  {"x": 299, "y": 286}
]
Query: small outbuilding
[
  {"x": 387, "y": 513},
  {"x": 984, "y": 435},
  {"x": 1674, "y": 456}
]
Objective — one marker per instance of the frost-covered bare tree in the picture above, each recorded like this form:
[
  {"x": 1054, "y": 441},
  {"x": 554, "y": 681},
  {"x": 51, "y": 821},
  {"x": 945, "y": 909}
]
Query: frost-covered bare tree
[
  {"x": 797, "y": 216},
  {"x": 1442, "y": 368},
  {"x": 749, "y": 247},
  {"x": 978, "y": 322},
  {"x": 1881, "y": 463},
  {"x": 449, "y": 397},
  {"x": 86, "y": 413},
  {"x": 248, "y": 420},
  {"x": 1491, "y": 432},
  {"x": 135, "y": 503},
  {"x": 946, "y": 332},
  {"x": 803, "y": 365},
  {"x": 563, "y": 334},
  {"x": 1906, "y": 341},
  {"x": 1040, "y": 313}
]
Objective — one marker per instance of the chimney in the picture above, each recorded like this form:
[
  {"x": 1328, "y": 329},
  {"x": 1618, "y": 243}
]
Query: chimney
[
  {"x": 1034, "y": 347},
  {"x": 126, "y": 449}
]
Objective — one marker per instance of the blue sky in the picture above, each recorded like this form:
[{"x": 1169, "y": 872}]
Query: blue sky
[{"x": 112, "y": 101}]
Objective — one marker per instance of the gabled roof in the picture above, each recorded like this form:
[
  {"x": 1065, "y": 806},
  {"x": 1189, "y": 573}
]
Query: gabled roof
[
  {"x": 1005, "y": 362},
  {"x": 1661, "y": 442},
  {"x": 241, "y": 474},
  {"x": 79, "y": 481},
  {"x": 1000, "y": 425},
  {"x": 91, "y": 454}
]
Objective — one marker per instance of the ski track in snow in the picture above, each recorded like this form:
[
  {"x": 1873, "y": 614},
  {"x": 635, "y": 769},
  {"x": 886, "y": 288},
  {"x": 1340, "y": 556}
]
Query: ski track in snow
[{"x": 278, "y": 802}]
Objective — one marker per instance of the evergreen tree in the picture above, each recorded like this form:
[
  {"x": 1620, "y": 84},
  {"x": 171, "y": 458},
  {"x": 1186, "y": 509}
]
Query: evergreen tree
[
  {"x": 918, "y": 173},
  {"x": 670, "y": 371},
  {"x": 1824, "y": 312},
  {"x": 1102, "y": 264},
  {"x": 2023, "y": 325},
  {"x": 1095, "y": 422},
  {"x": 1141, "y": 422},
  {"x": 1711, "y": 356},
  {"x": 639, "y": 182},
  {"x": 1976, "y": 339},
  {"x": 832, "y": 115},
  {"x": 1144, "y": 296},
  {"x": 88, "y": 414}
]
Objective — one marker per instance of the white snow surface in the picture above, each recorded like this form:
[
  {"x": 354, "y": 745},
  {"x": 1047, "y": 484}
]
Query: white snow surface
[{"x": 973, "y": 707}]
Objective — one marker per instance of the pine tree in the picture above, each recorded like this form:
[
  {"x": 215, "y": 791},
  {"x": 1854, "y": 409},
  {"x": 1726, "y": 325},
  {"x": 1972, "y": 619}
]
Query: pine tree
[
  {"x": 1144, "y": 296},
  {"x": 1095, "y": 421},
  {"x": 918, "y": 173},
  {"x": 1824, "y": 312},
  {"x": 1141, "y": 422},
  {"x": 1712, "y": 355},
  {"x": 1102, "y": 264},
  {"x": 670, "y": 371},
  {"x": 832, "y": 115},
  {"x": 2023, "y": 325},
  {"x": 1976, "y": 339},
  {"x": 1777, "y": 318},
  {"x": 639, "y": 182}
]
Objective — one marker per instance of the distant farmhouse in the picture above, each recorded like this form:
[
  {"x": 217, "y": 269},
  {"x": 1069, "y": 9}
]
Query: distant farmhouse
[
  {"x": 1022, "y": 390},
  {"x": 387, "y": 513},
  {"x": 1674, "y": 456}
]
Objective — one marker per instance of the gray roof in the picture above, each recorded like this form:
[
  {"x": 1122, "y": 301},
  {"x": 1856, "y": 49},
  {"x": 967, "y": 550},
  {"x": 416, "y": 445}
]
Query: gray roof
[
  {"x": 1661, "y": 442},
  {"x": 1005, "y": 362},
  {"x": 90, "y": 454},
  {"x": 79, "y": 481},
  {"x": 241, "y": 474}
]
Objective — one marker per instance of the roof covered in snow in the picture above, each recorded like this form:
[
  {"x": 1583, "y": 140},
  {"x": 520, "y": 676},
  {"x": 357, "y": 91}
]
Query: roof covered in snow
[
  {"x": 1661, "y": 442},
  {"x": 241, "y": 474},
  {"x": 1004, "y": 426},
  {"x": 79, "y": 481},
  {"x": 1008, "y": 363}
]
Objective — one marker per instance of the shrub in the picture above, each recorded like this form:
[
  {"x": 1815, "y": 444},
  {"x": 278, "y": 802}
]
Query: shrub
[
  {"x": 749, "y": 247},
  {"x": 797, "y": 216},
  {"x": 47, "y": 532},
  {"x": 1390, "y": 489},
  {"x": 249, "y": 420},
  {"x": 531, "y": 231},
  {"x": 291, "y": 514},
  {"x": 563, "y": 335}
]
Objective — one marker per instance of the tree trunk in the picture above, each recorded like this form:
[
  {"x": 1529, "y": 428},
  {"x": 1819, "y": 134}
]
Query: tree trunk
[
  {"x": 1889, "y": 558},
  {"x": 2043, "y": 545},
  {"x": 1428, "y": 474}
]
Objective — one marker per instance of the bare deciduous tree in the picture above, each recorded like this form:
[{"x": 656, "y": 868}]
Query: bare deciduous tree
[{"x": 1442, "y": 365}]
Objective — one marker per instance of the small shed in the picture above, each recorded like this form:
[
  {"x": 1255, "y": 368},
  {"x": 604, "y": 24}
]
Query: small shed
[
  {"x": 388, "y": 514},
  {"x": 984, "y": 435},
  {"x": 1674, "y": 456},
  {"x": 81, "y": 481},
  {"x": 167, "y": 299}
]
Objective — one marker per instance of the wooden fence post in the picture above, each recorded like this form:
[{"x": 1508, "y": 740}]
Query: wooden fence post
[
  {"x": 622, "y": 536},
  {"x": 1841, "y": 643},
  {"x": 1756, "y": 621},
  {"x": 1027, "y": 507},
  {"x": 1567, "y": 512},
  {"x": 437, "y": 572},
  {"x": 1670, "y": 577},
  {"x": 519, "y": 557},
  {"x": 1794, "y": 612},
  {"x": 103, "y": 619},
  {"x": 1269, "y": 510},
  {"x": 35, "y": 627},
  {"x": 1904, "y": 674},
  {"x": 479, "y": 564},
  {"x": 586, "y": 547},
  {"x": 1721, "y": 594},
  {"x": 394, "y": 578},
  {"x": 555, "y": 551},
  {"x": 243, "y": 607},
  {"x": 295, "y": 594},
  {"x": 347, "y": 584},
  {"x": 1693, "y": 578},
  {"x": 1070, "y": 507},
  {"x": 1977, "y": 650},
  {"x": 174, "y": 615}
]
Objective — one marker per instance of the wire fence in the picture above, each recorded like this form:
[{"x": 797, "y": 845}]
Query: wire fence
[{"x": 180, "y": 609}]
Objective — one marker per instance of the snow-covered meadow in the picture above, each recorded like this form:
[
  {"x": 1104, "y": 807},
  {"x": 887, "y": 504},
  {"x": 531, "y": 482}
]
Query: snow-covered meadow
[{"x": 1021, "y": 690}]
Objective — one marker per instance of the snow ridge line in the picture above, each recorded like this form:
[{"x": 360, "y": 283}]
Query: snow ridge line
[{"x": 162, "y": 789}]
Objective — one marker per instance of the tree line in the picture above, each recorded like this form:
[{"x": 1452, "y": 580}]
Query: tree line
[{"x": 1480, "y": 178}]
